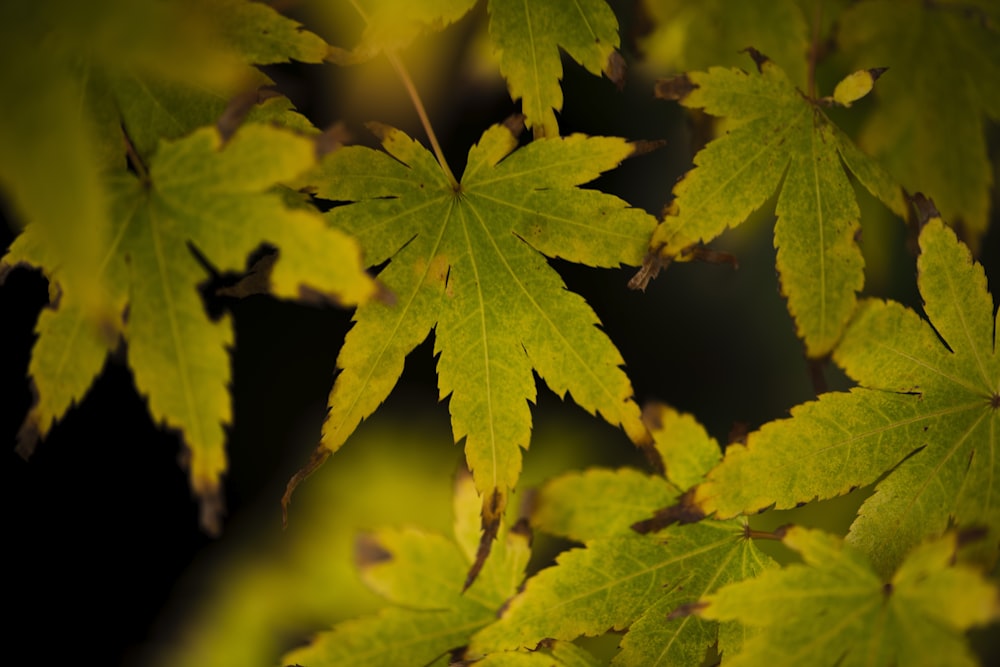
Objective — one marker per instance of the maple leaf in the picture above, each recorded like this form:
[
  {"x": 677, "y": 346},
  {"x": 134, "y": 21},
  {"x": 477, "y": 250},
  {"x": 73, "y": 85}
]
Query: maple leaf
[
  {"x": 550, "y": 653},
  {"x": 467, "y": 260},
  {"x": 421, "y": 574},
  {"x": 391, "y": 25},
  {"x": 625, "y": 580},
  {"x": 834, "y": 609},
  {"x": 527, "y": 36},
  {"x": 689, "y": 36},
  {"x": 781, "y": 137},
  {"x": 929, "y": 123},
  {"x": 926, "y": 413},
  {"x": 216, "y": 198}
]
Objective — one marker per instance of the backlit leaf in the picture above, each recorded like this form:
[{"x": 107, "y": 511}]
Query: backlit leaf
[
  {"x": 422, "y": 574},
  {"x": 527, "y": 35},
  {"x": 928, "y": 126},
  {"x": 926, "y": 413},
  {"x": 623, "y": 580},
  {"x": 467, "y": 260},
  {"x": 779, "y": 138},
  {"x": 835, "y": 610},
  {"x": 215, "y": 198}
]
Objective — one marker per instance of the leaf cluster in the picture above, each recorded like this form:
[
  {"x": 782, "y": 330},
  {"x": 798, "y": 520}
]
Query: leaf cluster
[{"x": 178, "y": 163}]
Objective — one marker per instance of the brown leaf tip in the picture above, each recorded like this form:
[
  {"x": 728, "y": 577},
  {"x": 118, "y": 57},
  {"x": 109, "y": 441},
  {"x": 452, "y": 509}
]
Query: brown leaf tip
[
  {"x": 319, "y": 456},
  {"x": 211, "y": 509},
  {"x": 689, "y": 609},
  {"x": 515, "y": 124},
  {"x": 615, "y": 69},
  {"x": 493, "y": 507},
  {"x": 876, "y": 72},
  {"x": 676, "y": 88},
  {"x": 368, "y": 551},
  {"x": 684, "y": 511},
  {"x": 924, "y": 209},
  {"x": 652, "y": 264},
  {"x": 644, "y": 146},
  {"x": 759, "y": 58}
]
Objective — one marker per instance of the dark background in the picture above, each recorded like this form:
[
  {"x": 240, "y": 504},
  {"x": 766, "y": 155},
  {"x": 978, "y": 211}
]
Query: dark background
[{"x": 100, "y": 524}]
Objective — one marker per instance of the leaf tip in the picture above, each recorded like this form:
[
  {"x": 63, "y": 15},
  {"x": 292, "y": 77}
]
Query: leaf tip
[
  {"x": 684, "y": 511},
  {"x": 615, "y": 69},
  {"x": 759, "y": 58},
  {"x": 369, "y": 551},
  {"x": 675, "y": 88},
  {"x": 493, "y": 507},
  {"x": 319, "y": 456},
  {"x": 652, "y": 264}
]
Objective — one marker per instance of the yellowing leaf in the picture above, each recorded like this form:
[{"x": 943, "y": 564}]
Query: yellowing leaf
[
  {"x": 928, "y": 126},
  {"x": 527, "y": 35},
  {"x": 467, "y": 260},
  {"x": 780, "y": 137},
  {"x": 856, "y": 85},
  {"x": 422, "y": 574},
  {"x": 215, "y": 198},
  {"x": 926, "y": 413},
  {"x": 835, "y": 610},
  {"x": 391, "y": 25},
  {"x": 623, "y": 580},
  {"x": 697, "y": 35}
]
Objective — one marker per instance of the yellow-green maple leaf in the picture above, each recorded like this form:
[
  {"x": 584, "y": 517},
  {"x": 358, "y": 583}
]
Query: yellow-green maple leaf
[
  {"x": 527, "y": 35},
  {"x": 624, "y": 580},
  {"x": 929, "y": 124},
  {"x": 216, "y": 198},
  {"x": 778, "y": 137},
  {"x": 467, "y": 260},
  {"x": 421, "y": 574},
  {"x": 834, "y": 609},
  {"x": 927, "y": 415}
]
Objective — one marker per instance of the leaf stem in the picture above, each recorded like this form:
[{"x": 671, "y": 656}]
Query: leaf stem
[{"x": 418, "y": 104}]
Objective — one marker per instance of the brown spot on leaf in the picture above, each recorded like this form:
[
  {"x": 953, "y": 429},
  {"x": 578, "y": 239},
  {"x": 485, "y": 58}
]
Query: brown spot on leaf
[
  {"x": 615, "y": 69},
  {"x": 970, "y": 535},
  {"x": 319, "y": 456},
  {"x": 995, "y": 401},
  {"x": 675, "y": 88},
  {"x": 703, "y": 254},
  {"x": 876, "y": 72}
]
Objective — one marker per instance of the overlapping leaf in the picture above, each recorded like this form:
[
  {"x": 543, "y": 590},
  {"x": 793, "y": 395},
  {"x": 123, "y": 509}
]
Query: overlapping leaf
[
  {"x": 528, "y": 34},
  {"x": 392, "y": 25},
  {"x": 624, "y": 580},
  {"x": 83, "y": 71},
  {"x": 689, "y": 36},
  {"x": 215, "y": 197},
  {"x": 928, "y": 126},
  {"x": 926, "y": 412},
  {"x": 834, "y": 609},
  {"x": 422, "y": 575},
  {"x": 781, "y": 137},
  {"x": 467, "y": 260}
]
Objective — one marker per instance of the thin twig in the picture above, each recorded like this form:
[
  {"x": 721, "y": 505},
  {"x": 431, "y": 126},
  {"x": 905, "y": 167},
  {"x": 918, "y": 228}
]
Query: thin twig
[
  {"x": 814, "y": 48},
  {"x": 418, "y": 104}
]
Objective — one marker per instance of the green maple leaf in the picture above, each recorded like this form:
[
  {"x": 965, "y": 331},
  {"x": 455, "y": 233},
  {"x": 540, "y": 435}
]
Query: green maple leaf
[
  {"x": 217, "y": 198},
  {"x": 928, "y": 126},
  {"x": 835, "y": 610},
  {"x": 422, "y": 575},
  {"x": 928, "y": 410},
  {"x": 780, "y": 137},
  {"x": 527, "y": 36},
  {"x": 391, "y": 25},
  {"x": 689, "y": 36},
  {"x": 624, "y": 580},
  {"x": 467, "y": 260}
]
